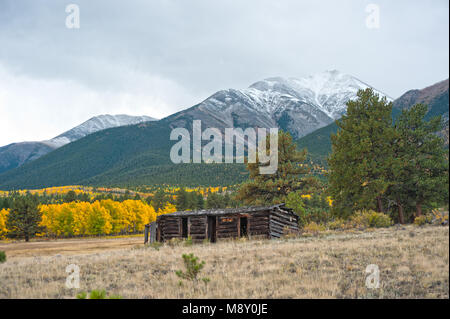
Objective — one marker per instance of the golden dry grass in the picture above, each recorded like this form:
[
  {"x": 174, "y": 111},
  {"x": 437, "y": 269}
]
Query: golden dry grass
[
  {"x": 67, "y": 246},
  {"x": 413, "y": 263}
]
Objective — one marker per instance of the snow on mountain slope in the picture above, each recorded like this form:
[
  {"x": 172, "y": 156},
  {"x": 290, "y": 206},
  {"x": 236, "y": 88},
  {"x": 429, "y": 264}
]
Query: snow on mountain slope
[
  {"x": 297, "y": 105},
  {"x": 17, "y": 154},
  {"x": 93, "y": 125}
]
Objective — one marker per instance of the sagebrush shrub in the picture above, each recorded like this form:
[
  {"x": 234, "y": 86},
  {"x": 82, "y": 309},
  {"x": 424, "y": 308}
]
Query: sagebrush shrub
[
  {"x": 313, "y": 228},
  {"x": 369, "y": 218},
  {"x": 422, "y": 220}
]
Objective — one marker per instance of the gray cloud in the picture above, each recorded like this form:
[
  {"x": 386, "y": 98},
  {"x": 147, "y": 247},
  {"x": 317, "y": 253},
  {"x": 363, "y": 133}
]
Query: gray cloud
[{"x": 166, "y": 55}]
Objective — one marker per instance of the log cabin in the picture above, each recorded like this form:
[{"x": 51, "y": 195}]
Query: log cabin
[{"x": 217, "y": 224}]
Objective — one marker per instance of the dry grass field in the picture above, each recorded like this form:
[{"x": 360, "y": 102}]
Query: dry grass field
[
  {"x": 413, "y": 263},
  {"x": 67, "y": 247}
]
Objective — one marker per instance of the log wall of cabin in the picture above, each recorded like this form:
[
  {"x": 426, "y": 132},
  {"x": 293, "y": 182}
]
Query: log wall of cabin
[
  {"x": 170, "y": 228},
  {"x": 270, "y": 223},
  {"x": 197, "y": 227},
  {"x": 227, "y": 226},
  {"x": 258, "y": 224},
  {"x": 282, "y": 222}
]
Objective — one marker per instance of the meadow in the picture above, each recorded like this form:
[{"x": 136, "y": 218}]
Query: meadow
[{"x": 413, "y": 263}]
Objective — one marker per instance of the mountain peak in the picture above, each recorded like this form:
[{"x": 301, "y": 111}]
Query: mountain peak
[
  {"x": 17, "y": 154},
  {"x": 299, "y": 105}
]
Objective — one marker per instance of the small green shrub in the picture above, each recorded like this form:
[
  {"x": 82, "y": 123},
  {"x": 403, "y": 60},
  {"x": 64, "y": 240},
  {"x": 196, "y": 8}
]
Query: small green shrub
[
  {"x": 206, "y": 281},
  {"x": 193, "y": 267},
  {"x": 2, "y": 256},
  {"x": 82, "y": 295},
  {"x": 422, "y": 220},
  {"x": 97, "y": 294},
  {"x": 379, "y": 220},
  {"x": 369, "y": 218}
]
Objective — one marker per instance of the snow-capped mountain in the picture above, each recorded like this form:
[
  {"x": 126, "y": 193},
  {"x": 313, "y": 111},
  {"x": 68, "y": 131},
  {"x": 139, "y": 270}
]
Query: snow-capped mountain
[
  {"x": 299, "y": 106},
  {"x": 17, "y": 154},
  {"x": 141, "y": 153},
  {"x": 95, "y": 124}
]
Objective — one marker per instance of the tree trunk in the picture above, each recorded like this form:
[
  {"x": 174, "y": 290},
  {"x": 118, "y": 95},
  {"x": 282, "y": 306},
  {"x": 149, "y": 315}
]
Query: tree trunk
[
  {"x": 380, "y": 205},
  {"x": 419, "y": 209},
  {"x": 401, "y": 216},
  {"x": 27, "y": 238}
]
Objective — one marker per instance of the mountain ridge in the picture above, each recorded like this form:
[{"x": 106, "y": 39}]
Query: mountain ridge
[
  {"x": 139, "y": 154},
  {"x": 16, "y": 154}
]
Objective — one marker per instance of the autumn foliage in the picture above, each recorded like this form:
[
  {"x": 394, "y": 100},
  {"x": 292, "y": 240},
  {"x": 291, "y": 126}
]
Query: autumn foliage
[{"x": 98, "y": 218}]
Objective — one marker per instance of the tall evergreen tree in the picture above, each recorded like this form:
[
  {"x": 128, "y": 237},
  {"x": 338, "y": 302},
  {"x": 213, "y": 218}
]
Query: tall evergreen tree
[
  {"x": 159, "y": 200},
  {"x": 199, "y": 201},
  {"x": 71, "y": 196},
  {"x": 361, "y": 154},
  {"x": 182, "y": 199},
  {"x": 267, "y": 189},
  {"x": 420, "y": 172},
  {"x": 24, "y": 217},
  {"x": 215, "y": 200}
]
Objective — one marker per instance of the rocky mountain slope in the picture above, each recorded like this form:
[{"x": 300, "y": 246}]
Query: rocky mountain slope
[
  {"x": 299, "y": 106},
  {"x": 17, "y": 154}
]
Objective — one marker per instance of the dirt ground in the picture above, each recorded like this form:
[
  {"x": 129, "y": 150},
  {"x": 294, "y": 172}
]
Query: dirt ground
[{"x": 67, "y": 247}]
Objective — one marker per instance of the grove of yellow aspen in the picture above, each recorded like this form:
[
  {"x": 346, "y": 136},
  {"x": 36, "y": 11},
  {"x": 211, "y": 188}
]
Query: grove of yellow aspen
[
  {"x": 3, "y": 215},
  {"x": 98, "y": 218}
]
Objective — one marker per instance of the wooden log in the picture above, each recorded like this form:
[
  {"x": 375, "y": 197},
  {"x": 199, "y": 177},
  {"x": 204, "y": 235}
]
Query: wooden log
[{"x": 274, "y": 222}]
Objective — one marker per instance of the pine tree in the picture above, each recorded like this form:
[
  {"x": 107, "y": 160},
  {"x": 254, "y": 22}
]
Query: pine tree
[
  {"x": 268, "y": 189},
  {"x": 71, "y": 196},
  {"x": 214, "y": 201},
  {"x": 361, "y": 154},
  {"x": 159, "y": 200},
  {"x": 182, "y": 200},
  {"x": 200, "y": 202},
  {"x": 24, "y": 217},
  {"x": 420, "y": 172}
]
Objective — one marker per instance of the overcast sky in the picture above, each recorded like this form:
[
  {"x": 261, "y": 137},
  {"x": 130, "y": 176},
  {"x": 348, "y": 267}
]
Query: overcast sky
[{"x": 157, "y": 57}]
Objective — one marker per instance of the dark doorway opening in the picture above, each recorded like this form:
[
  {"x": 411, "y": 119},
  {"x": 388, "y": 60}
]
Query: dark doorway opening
[
  {"x": 243, "y": 230},
  {"x": 184, "y": 227},
  {"x": 212, "y": 229}
]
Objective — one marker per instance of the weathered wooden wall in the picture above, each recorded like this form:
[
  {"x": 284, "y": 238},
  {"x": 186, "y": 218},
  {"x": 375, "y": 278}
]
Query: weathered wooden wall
[
  {"x": 227, "y": 226},
  {"x": 268, "y": 223},
  {"x": 258, "y": 224},
  {"x": 197, "y": 227},
  {"x": 169, "y": 228},
  {"x": 281, "y": 221}
]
